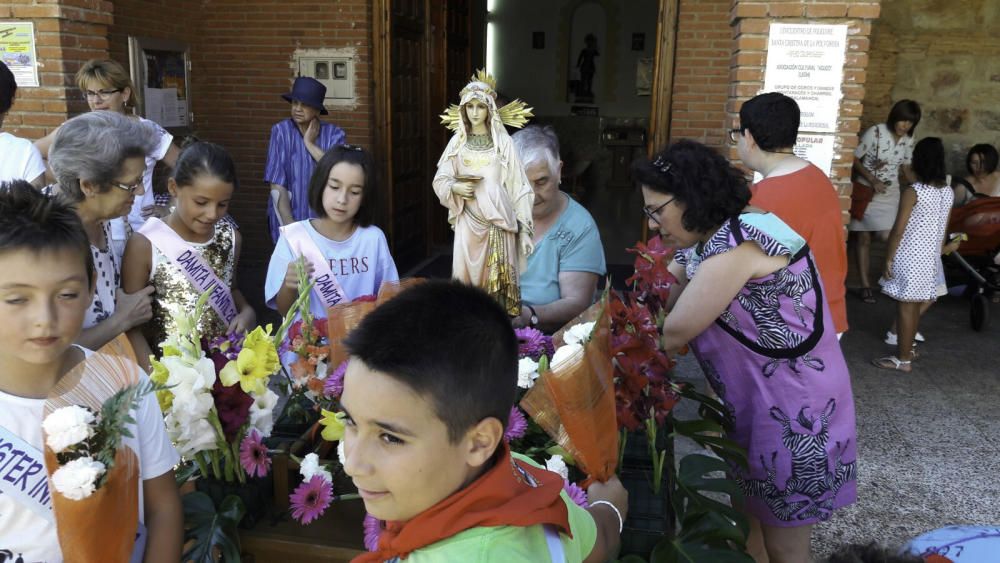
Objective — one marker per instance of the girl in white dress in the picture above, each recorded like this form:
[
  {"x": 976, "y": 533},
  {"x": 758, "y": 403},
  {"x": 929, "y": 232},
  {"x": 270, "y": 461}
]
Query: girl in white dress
[{"x": 915, "y": 247}]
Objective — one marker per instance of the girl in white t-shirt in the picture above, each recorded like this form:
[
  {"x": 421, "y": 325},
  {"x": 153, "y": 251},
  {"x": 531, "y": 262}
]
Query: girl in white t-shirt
[
  {"x": 21, "y": 160},
  {"x": 345, "y": 253}
]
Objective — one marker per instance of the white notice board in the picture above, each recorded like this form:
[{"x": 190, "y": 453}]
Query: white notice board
[{"x": 806, "y": 62}]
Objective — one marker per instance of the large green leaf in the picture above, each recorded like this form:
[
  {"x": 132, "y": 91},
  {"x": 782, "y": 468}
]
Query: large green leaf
[{"x": 210, "y": 528}]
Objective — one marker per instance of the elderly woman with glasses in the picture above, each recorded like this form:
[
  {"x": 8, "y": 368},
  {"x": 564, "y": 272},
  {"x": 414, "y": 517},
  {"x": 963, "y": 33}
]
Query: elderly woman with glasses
[
  {"x": 99, "y": 160},
  {"x": 107, "y": 87},
  {"x": 749, "y": 302},
  {"x": 562, "y": 273}
]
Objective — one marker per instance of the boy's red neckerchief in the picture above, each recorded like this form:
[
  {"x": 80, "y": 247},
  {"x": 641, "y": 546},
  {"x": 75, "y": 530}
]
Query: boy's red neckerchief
[{"x": 512, "y": 493}]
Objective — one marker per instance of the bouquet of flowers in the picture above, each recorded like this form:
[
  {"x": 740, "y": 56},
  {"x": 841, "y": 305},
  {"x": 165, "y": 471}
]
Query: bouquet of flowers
[
  {"x": 85, "y": 443},
  {"x": 644, "y": 393},
  {"x": 216, "y": 395},
  {"x": 574, "y": 398}
]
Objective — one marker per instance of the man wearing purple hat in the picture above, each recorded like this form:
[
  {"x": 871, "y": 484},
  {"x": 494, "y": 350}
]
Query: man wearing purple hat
[{"x": 296, "y": 145}]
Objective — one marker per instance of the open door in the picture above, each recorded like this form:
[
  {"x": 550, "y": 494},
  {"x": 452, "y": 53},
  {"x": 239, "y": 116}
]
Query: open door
[{"x": 420, "y": 47}]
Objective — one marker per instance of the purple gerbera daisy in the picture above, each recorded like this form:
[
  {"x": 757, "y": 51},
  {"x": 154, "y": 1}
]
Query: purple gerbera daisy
[
  {"x": 373, "y": 531},
  {"x": 576, "y": 494},
  {"x": 311, "y": 499},
  {"x": 517, "y": 425},
  {"x": 531, "y": 343},
  {"x": 253, "y": 455},
  {"x": 334, "y": 385}
]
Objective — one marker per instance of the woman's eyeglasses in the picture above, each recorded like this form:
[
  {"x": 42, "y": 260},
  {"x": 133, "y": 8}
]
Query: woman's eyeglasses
[
  {"x": 734, "y": 134},
  {"x": 103, "y": 95},
  {"x": 654, "y": 214},
  {"x": 130, "y": 188}
]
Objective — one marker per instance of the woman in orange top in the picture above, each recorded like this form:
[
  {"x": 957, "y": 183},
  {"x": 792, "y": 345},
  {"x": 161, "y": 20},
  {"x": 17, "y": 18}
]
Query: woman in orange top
[{"x": 797, "y": 192}]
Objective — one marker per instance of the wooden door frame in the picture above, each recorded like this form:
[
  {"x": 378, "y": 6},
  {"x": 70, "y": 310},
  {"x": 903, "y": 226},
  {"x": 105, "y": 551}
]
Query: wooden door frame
[
  {"x": 663, "y": 75},
  {"x": 381, "y": 110}
]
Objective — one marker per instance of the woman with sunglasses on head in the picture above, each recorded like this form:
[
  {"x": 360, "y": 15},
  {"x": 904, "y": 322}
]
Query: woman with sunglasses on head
[
  {"x": 106, "y": 86},
  {"x": 99, "y": 160},
  {"x": 749, "y": 302}
]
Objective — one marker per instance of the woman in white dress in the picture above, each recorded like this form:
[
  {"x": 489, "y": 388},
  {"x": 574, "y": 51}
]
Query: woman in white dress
[{"x": 885, "y": 152}]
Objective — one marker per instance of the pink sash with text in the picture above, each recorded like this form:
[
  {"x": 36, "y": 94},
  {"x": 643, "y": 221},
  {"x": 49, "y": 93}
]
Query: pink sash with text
[
  {"x": 326, "y": 287},
  {"x": 198, "y": 272}
]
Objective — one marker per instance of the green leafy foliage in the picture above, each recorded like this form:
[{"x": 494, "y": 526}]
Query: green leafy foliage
[{"x": 212, "y": 530}]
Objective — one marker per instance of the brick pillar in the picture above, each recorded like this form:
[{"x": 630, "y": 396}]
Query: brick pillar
[
  {"x": 67, "y": 33},
  {"x": 751, "y": 21}
]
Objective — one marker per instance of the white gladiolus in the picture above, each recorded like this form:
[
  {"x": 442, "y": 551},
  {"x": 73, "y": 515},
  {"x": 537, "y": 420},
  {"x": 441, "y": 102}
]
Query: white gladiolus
[
  {"x": 578, "y": 333},
  {"x": 527, "y": 373},
  {"x": 77, "y": 479},
  {"x": 68, "y": 426},
  {"x": 262, "y": 412},
  {"x": 556, "y": 464},
  {"x": 564, "y": 353},
  {"x": 310, "y": 466}
]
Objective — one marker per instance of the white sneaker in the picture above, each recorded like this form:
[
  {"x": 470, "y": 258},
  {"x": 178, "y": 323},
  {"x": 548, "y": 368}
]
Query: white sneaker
[{"x": 891, "y": 339}]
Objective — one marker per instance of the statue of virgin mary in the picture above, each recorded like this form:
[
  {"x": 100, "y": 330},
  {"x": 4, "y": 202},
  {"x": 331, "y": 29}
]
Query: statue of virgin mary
[{"x": 482, "y": 183}]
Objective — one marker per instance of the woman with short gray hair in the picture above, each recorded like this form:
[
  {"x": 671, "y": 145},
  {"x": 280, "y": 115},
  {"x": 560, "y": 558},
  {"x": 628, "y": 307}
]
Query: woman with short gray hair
[
  {"x": 99, "y": 159},
  {"x": 561, "y": 276}
]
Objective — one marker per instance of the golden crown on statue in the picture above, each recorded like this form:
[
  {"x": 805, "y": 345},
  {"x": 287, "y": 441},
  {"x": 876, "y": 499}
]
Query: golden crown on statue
[{"x": 514, "y": 114}]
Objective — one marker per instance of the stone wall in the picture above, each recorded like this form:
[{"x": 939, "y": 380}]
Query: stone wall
[{"x": 945, "y": 54}]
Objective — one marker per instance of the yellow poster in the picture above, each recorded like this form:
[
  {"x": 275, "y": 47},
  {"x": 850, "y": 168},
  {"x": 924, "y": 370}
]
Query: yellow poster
[{"x": 17, "y": 51}]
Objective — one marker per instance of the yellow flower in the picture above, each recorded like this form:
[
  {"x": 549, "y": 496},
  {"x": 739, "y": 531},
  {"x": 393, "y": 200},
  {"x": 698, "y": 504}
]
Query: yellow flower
[
  {"x": 333, "y": 425},
  {"x": 248, "y": 370},
  {"x": 259, "y": 340},
  {"x": 160, "y": 374},
  {"x": 256, "y": 362}
]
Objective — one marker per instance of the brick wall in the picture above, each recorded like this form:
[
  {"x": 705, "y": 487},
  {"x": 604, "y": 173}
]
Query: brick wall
[
  {"x": 944, "y": 56},
  {"x": 67, "y": 33},
  {"x": 701, "y": 77},
  {"x": 241, "y": 57},
  {"x": 751, "y": 21}
]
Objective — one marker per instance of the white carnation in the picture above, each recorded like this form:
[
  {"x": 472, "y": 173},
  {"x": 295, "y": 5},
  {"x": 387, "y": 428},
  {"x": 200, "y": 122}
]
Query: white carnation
[
  {"x": 565, "y": 353},
  {"x": 527, "y": 373},
  {"x": 310, "y": 466},
  {"x": 77, "y": 479},
  {"x": 67, "y": 426},
  {"x": 262, "y": 412},
  {"x": 341, "y": 453},
  {"x": 556, "y": 464},
  {"x": 578, "y": 333}
]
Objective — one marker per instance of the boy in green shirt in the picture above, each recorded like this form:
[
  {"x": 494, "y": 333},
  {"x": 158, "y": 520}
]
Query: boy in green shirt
[{"x": 427, "y": 393}]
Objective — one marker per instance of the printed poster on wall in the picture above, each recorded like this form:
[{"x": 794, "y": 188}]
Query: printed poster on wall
[
  {"x": 806, "y": 62},
  {"x": 817, "y": 149},
  {"x": 17, "y": 51}
]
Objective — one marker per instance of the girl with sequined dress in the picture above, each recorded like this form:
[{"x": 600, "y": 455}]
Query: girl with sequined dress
[
  {"x": 183, "y": 255},
  {"x": 482, "y": 183}
]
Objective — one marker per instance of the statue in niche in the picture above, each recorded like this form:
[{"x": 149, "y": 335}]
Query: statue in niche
[
  {"x": 587, "y": 65},
  {"x": 482, "y": 183}
]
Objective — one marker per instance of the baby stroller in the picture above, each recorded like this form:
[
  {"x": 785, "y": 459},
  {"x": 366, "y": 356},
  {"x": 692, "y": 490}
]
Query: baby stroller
[{"x": 978, "y": 265}]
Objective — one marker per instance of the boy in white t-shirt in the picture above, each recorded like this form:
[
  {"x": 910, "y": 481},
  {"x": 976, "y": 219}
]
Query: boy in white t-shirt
[
  {"x": 46, "y": 282},
  {"x": 19, "y": 159}
]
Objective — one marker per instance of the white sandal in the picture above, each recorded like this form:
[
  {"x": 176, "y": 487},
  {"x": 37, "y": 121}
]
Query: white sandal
[{"x": 892, "y": 363}]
